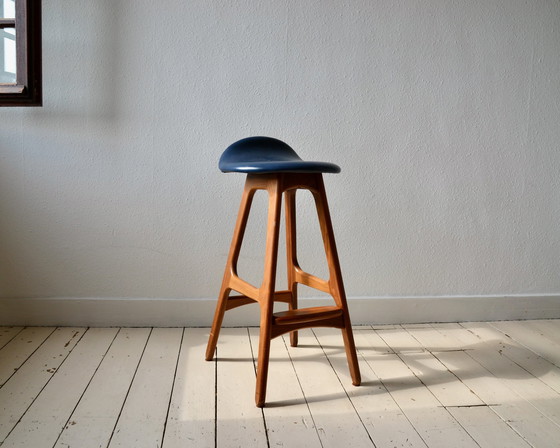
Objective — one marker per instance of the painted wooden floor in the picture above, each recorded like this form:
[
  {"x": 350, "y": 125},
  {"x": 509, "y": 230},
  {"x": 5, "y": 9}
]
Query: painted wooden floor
[{"x": 491, "y": 385}]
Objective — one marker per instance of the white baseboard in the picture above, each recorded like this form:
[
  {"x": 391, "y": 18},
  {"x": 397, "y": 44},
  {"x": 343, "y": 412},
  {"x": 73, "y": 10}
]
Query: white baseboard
[{"x": 102, "y": 312}]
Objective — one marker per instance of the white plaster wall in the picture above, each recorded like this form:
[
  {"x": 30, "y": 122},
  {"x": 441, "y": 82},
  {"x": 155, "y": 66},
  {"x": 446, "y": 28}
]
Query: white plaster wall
[{"x": 444, "y": 116}]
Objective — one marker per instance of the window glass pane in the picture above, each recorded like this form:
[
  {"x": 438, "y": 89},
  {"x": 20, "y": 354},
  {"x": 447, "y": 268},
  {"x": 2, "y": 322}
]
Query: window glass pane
[
  {"x": 8, "y": 56},
  {"x": 7, "y": 9}
]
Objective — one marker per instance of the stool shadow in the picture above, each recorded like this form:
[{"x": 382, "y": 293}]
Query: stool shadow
[{"x": 364, "y": 389}]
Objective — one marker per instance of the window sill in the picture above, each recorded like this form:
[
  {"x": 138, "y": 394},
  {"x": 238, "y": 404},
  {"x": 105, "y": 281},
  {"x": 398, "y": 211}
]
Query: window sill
[{"x": 10, "y": 89}]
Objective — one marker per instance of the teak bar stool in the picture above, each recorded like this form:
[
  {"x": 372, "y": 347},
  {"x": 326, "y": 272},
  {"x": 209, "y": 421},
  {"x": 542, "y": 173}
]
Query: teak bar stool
[{"x": 273, "y": 166}]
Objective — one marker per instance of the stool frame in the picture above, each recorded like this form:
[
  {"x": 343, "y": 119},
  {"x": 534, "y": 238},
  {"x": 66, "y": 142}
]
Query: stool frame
[{"x": 272, "y": 324}]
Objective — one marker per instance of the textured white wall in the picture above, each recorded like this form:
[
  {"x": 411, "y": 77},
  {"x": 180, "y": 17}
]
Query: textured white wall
[{"x": 444, "y": 116}]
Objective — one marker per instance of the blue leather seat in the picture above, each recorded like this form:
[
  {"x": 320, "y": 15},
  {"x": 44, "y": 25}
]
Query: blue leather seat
[{"x": 268, "y": 155}]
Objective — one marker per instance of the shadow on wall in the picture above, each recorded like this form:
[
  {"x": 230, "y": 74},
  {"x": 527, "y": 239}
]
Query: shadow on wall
[
  {"x": 59, "y": 170},
  {"x": 82, "y": 49}
]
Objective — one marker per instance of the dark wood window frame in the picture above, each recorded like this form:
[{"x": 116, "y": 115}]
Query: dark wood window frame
[{"x": 27, "y": 91}]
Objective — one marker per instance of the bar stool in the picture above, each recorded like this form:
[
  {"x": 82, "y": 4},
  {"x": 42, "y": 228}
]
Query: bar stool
[{"x": 274, "y": 166}]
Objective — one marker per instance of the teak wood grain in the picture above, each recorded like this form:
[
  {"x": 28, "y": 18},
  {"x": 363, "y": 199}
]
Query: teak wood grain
[{"x": 279, "y": 185}]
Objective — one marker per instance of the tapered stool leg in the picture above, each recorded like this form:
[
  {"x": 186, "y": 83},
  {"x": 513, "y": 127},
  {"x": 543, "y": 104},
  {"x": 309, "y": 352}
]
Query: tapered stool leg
[
  {"x": 335, "y": 282},
  {"x": 266, "y": 296},
  {"x": 291, "y": 255},
  {"x": 231, "y": 267},
  {"x": 217, "y": 323},
  {"x": 264, "y": 354}
]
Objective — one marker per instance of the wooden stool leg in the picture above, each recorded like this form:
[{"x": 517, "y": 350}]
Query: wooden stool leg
[
  {"x": 291, "y": 254},
  {"x": 217, "y": 323},
  {"x": 231, "y": 266},
  {"x": 266, "y": 292},
  {"x": 335, "y": 282}
]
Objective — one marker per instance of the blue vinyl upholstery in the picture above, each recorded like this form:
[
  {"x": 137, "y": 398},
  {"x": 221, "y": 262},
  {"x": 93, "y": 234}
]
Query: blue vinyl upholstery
[{"x": 268, "y": 155}]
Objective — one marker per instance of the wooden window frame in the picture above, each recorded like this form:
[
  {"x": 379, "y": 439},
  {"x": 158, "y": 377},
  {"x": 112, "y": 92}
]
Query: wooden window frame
[{"x": 27, "y": 91}]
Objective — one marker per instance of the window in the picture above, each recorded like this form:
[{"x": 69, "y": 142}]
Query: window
[{"x": 20, "y": 53}]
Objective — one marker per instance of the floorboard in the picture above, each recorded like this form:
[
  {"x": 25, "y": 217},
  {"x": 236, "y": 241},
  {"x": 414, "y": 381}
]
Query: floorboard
[
  {"x": 239, "y": 422},
  {"x": 539, "y": 367},
  {"x": 535, "y": 427},
  {"x": 483, "y": 384},
  {"x": 338, "y": 424},
  {"x": 92, "y": 421},
  {"x": 384, "y": 420},
  {"x": 530, "y": 337},
  {"x": 432, "y": 421},
  {"x": 191, "y": 420},
  {"x": 479, "y": 419},
  {"x": 142, "y": 420},
  {"x": 7, "y": 334},
  {"x": 18, "y": 349},
  {"x": 23, "y": 389},
  {"x": 288, "y": 419},
  {"x": 548, "y": 328},
  {"x": 43, "y": 422}
]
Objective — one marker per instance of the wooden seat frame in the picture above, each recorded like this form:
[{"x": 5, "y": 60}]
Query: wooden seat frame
[{"x": 275, "y": 324}]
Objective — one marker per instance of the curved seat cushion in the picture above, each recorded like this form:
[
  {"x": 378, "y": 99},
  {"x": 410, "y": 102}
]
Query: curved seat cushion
[{"x": 268, "y": 155}]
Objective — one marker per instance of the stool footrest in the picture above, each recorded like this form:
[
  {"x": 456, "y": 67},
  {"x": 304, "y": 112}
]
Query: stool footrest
[{"x": 306, "y": 315}]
